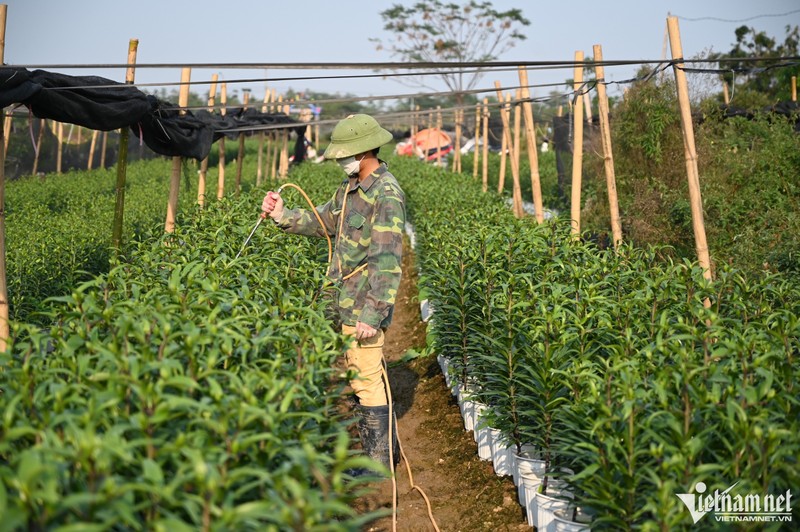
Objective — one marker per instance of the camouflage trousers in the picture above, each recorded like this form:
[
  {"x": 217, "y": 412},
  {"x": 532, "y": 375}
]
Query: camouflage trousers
[{"x": 365, "y": 359}]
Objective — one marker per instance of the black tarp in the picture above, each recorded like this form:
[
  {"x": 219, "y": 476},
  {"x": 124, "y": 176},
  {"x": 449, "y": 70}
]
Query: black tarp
[
  {"x": 75, "y": 100},
  {"x": 104, "y": 105},
  {"x": 167, "y": 132}
]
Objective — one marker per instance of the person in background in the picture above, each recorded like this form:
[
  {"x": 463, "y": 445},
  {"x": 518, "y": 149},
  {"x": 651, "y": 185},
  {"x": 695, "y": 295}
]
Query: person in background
[{"x": 366, "y": 219}]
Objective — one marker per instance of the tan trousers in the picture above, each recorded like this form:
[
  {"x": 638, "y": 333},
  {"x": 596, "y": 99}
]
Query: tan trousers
[{"x": 365, "y": 358}]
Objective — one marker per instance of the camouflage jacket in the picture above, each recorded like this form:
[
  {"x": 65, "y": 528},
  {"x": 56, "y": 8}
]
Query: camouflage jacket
[{"x": 372, "y": 235}]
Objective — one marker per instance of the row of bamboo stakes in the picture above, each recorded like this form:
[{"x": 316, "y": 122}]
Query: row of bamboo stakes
[{"x": 278, "y": 161}]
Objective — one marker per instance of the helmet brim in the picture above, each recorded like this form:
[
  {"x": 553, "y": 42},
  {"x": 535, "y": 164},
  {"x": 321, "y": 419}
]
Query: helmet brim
[{"x": 350, "y": 147}]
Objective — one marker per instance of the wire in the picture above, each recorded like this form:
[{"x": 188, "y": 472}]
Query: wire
[
  {"x": 737, "y": 20},
  {"x": 350, "y": 66},
  {"x": 462, "y": 67}
]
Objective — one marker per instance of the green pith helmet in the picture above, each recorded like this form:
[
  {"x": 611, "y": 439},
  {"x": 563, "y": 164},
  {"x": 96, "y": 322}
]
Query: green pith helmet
[{"x": 356, "y": 134}]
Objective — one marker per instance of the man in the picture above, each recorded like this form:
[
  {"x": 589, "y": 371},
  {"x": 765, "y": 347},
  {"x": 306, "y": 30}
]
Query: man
[{"x": 366, "y": 217}]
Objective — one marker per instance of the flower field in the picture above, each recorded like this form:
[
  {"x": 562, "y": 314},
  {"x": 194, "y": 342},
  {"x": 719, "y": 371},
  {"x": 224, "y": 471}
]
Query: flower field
[{"x": 185, "y": 389}]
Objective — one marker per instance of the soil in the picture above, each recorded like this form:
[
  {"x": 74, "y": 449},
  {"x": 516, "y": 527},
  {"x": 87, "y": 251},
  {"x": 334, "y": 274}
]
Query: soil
[{"x": 464, "y": 492}]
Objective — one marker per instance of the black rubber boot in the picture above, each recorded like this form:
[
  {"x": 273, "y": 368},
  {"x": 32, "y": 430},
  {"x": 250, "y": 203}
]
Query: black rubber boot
[{"x": 373, "y": 427}]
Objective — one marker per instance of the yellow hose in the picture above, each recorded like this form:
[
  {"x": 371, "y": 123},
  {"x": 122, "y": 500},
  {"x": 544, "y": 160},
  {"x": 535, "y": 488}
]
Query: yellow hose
[{"x": 314, "y": 209}]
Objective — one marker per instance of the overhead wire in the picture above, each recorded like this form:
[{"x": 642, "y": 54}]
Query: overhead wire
[
  {"x": 748, "y": 19},
  {"x": 661, "y": 65}
]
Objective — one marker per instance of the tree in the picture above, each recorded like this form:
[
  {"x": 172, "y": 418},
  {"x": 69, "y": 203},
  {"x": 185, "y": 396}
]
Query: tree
[
  {"x": 772, "y": 83},
  {"x": 434, "y": 31}
]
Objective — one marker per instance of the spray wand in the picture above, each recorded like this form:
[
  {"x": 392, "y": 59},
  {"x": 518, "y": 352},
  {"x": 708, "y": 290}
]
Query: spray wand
[{"x": 263, "y": 217}]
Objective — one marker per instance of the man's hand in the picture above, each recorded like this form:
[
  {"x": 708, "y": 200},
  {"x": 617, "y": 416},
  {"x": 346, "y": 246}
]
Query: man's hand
[
  {"x": 273, "y": 205},
  {"x": 364, "y": 331}
]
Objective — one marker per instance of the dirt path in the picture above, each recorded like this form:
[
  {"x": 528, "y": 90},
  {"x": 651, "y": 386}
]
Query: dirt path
[{"x": 465, "y": 493}]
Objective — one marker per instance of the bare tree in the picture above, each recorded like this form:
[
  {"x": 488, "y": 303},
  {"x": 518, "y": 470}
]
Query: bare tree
[{"x": 434, "y": 31}]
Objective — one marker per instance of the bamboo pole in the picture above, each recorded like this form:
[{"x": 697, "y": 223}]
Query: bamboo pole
[
  {"x": 692, "y": 172},
  {"x": 92, "y": 147},
  {"x": 587, "y": 107},
  {"x": 261, "y": 139},
  {"x": 438, "y": 135},
  {"x": 201, "y": 181},
  {"x": 460, "y": 135},
  {"x": 485, "y": 168},
  {"x": 7, "y": 131},
  {"x": 60, "y": 147},
  {"x": 476, "y": 153},
  {"x": 577, "y": 148},
  {"x": 122, "y": 159},
  {"x": 4, "y": 315},
  {"x": 505, "y": 114},
  {"x": 454, "y": 163},
  {"x": 725, "y": 96},
  {"x": 38, "y": 149},
  {"x": 283, "y": 163},
  {"x": 103, "y": 146},
  {"x": 457, "y": 147},
  {"x": 533, "y": 154},
  {"x": 275, "y": 156},
  {"x": 274, "y": 140},
  {"x": 516, "y": 190},
  {"x": 608, "y": 155},
  {"x": 272, "y": 154},
  {"x": 175, "y": 181},
  {"x": 794, "y": 88},
  {"x": 223, "y": 100},
  {"x": 240, "y": 155},
  {"x": 501, "y": 178}
]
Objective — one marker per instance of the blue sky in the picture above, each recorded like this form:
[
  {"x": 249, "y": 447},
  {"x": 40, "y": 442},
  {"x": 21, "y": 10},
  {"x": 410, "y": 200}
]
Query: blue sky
[{"x": 60, "y": 32}]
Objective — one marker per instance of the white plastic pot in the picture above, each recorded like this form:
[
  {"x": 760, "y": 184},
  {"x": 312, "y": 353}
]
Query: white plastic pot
[
  {"x": 529, "y": 476},
  {"x": 528, "y": 485},
  {"x": 527, "y": 461},
  {"x": 484, "y": 440},
  {"x": 501, "y": 455},
  {"x": 446, "y": 370},
  {"x": 477, "y": 413},
  {"x": 570, "y": 520},
  {"x": 455, "y": 385},
  {"x": 547, "y": 505},
  {"x": 468, "y": 413}
]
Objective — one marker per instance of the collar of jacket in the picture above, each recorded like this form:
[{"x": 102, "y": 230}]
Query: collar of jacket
[{"x": 367, "y": 182}]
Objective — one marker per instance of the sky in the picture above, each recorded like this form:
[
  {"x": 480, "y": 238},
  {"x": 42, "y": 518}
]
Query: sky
[{"x": 52, "y": 33}]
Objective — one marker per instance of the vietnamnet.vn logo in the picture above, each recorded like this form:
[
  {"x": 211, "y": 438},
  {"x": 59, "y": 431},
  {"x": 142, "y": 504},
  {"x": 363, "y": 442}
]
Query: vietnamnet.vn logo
[{"x": 729, "y": 507}]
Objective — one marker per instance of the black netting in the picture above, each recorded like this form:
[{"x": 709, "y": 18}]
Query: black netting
[
  {"x": 562, "y": 138},
  {"x": 167, "y": 132},
  {"x": 103, "y": 109},
  {"x": 104, "y": 105},
  {"x": 16, "y": 86}
]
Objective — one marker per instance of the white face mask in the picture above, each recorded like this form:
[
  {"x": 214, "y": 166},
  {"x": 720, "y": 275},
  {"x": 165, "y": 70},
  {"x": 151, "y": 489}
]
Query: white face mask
[{"x": 350, "y": 165}]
